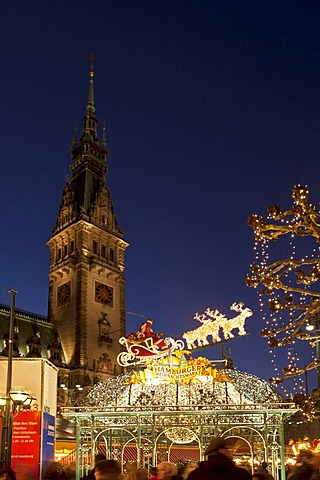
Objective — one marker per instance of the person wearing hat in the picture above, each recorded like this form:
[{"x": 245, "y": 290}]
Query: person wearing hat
[{"x": 219, "y": 465}]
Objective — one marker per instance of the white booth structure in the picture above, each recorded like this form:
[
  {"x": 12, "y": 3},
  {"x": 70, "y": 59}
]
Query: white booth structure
[{"x": 33, "y": 433}]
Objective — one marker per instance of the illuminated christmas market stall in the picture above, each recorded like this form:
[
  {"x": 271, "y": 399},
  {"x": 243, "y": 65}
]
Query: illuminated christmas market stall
[{"x": 168, "y": 404}]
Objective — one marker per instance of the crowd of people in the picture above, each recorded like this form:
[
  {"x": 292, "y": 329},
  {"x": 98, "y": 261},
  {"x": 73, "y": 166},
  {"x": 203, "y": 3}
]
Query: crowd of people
[{"x": 219, "y": 465}]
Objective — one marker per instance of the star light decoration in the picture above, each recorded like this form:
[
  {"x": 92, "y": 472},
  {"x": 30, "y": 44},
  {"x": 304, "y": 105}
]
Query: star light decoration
[{"x": 290, "y": 284}]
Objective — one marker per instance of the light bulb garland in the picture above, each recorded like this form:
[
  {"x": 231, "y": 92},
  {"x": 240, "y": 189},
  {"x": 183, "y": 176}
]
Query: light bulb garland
[
  {"x": 290, "y": 283},
  {"x": 235, "y": 388}
]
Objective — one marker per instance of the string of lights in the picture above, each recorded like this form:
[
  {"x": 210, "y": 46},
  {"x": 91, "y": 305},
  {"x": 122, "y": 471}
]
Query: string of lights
[
  {"x": 231, "y": 387},
  {"x": 288, "y": 296}
]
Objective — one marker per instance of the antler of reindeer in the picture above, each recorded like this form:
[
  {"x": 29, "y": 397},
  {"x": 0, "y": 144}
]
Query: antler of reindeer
[
  {"x": 237, "y": 307},
  {"x": 213, "y": 314}
]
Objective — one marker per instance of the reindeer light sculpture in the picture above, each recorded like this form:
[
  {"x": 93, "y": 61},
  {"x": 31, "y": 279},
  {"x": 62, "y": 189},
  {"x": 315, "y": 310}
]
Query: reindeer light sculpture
[
  {"x": 236, "y": 322},
  {"x": 212, "y": 321}
]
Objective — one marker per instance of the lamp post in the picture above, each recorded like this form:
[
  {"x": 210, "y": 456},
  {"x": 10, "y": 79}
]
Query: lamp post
[
  {"x": 10, "y": 406},
  {"x": 14, "y": 399},
  {"x": 6, "y": 431}
]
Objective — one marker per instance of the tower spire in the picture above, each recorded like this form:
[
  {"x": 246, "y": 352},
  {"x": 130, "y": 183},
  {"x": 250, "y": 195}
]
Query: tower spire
[
  {"x": 90, "y": 121},
  {"x": 89, "y": 157},
  {"x": 90, "y": 106}
]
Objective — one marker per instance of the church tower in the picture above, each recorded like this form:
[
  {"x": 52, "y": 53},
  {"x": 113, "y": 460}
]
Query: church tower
[{"x": 86, "y": 279}]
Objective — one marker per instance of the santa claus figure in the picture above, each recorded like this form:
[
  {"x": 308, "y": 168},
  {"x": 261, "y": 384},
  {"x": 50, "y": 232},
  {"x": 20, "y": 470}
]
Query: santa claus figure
[
  {"x": 146, "y": 328},
  {"x": 145, "y": 331}
]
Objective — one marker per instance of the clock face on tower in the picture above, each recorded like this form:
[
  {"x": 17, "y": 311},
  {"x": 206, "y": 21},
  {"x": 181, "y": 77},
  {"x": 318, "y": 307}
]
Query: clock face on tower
[
  {"x": 64, "y": 293},
  {"x": 103, "y": 294}
]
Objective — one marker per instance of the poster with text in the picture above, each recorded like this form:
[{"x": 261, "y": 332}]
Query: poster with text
[
  {"x": 48, "y": 435},
  {"x": 26, "y": 432}
]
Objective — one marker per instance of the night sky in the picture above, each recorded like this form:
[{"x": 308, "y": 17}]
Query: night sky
[{"x": 212, "y": 111}]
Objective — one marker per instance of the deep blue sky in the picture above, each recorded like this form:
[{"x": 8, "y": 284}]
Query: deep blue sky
[{"x": 213, "y": 113}]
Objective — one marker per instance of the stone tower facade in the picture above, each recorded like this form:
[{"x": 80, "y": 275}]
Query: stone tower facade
[{"x": 86, "y": 279}]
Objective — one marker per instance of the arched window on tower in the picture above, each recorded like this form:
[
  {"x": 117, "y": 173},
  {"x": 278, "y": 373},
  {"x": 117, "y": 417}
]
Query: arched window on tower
[
  {"x": 94, "y": 246},
  {"x": 111, "y": 255}
]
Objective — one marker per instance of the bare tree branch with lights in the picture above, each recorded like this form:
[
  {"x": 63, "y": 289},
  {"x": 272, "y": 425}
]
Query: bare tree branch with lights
[{"x": 291, "y": 283}]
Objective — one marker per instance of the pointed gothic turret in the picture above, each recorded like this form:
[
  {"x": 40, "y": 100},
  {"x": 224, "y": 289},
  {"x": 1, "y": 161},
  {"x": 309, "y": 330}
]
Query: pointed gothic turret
[{"x": 87, "y": 254}]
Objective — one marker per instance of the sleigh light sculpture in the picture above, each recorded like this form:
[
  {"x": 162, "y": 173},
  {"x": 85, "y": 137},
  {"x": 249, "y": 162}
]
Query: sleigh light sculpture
[{"x": 139, "y": 352}]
